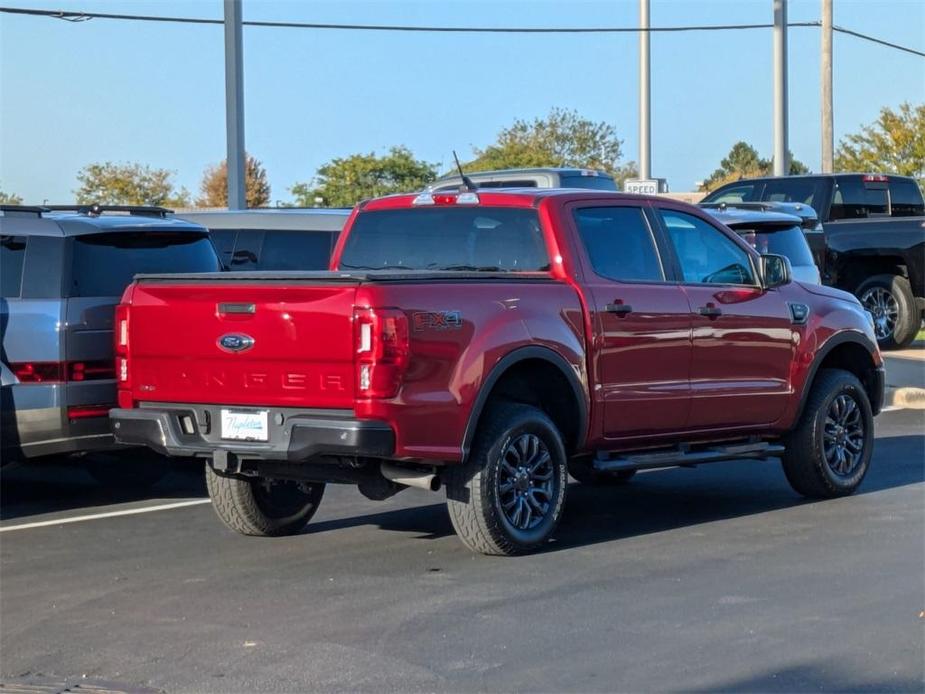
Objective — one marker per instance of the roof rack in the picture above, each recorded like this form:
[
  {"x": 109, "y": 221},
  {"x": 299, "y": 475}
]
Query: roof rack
[
  {"x": 24, "y": 209},
  {"x": 97, "y": 210}
]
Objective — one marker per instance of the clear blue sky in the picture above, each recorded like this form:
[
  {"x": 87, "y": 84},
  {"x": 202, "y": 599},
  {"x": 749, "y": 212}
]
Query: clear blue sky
[{"x": 71, "y": 94}]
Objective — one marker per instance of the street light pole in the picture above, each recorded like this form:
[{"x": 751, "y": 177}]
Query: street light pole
[
  {"x": 828, "y": 136},
  {"x": 645, "y": 119},
  {"x": 781, "y": 165},
  {"x": 234, "y": 105}
]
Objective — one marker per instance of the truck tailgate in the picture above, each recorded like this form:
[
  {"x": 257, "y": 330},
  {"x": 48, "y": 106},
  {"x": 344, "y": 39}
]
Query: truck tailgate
[{"x": 285, "y": 344}]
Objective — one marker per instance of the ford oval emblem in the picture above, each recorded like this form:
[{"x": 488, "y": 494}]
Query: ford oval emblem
[{"x": 235, "y": 342}]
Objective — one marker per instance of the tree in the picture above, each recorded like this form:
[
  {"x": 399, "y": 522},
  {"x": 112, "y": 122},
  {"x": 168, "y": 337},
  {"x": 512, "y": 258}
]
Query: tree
[
  {"x": 9, "y": 198},
  {"x": 214, "y": 187},
  {"x": 128, "y": 184},
  {"x": 894, "y": 143},
  {"x": 344, "y": 182},
  {"x": 743, "y": 161},
  {"x": 562, "y": 138}
]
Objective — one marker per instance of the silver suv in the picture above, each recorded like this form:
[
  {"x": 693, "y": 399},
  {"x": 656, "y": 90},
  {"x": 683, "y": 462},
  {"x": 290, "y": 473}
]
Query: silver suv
[{"x": 62, "y": 272}]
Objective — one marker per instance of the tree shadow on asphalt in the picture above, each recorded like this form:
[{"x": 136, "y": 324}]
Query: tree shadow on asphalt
[
  {"x": 666, "y": 499},
  {"x": 833, "y": 676},
  {"x": 59, "y": 485}
]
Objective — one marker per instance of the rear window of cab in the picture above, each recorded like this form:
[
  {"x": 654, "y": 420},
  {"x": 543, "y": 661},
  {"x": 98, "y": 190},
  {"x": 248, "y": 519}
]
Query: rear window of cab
[{"x": 468, "y": 239}]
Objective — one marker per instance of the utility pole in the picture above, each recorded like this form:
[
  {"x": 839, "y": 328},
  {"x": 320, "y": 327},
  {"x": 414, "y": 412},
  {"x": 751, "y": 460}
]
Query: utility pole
[
  {"x": 825, "y": 62},
  {"x": 645, "y": 119},
  {"x": 234, "y": 105},
  {"x": 781, "y": 165}
]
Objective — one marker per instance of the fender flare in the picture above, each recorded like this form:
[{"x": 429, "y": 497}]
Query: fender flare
[
  {"x": 511, "y": 359},
  {"x": 833, "y": 342}
]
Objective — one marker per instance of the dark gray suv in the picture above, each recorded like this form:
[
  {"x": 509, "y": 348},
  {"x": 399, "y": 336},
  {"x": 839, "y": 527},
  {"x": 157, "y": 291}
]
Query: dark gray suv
[{"x": 62, "y": 272}]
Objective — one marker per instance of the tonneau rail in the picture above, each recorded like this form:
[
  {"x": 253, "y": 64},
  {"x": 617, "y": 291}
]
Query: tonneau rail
[{"x": 339, "y": 277}]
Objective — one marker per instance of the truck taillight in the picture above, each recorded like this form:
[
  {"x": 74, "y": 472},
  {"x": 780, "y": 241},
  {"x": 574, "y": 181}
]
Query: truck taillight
[
  {"x": 123, "y": 374},
  {"x": 121, "y": 329},
  {"x": 383, "y": 349},
  {"x": 39, "y": 371}
]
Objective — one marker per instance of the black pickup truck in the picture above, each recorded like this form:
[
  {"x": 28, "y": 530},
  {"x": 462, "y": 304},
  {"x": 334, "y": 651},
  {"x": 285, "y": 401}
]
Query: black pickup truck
[{"x": 871, "y": 241}]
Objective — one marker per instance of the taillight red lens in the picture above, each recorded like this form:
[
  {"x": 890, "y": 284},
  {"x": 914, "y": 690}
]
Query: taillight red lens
[
  {"x": 120, "y": 329},
  {"x": 90, "y": 370},
  {"x": 58, "y": 372},
  {"x": 87, "y": 411},
  {"x": 383, "y": 350},
  {"x": 38, "y": 371}
]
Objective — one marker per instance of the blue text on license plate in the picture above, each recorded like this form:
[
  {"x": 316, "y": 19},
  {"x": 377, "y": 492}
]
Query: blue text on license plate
[{"x": 245, "y": 426}]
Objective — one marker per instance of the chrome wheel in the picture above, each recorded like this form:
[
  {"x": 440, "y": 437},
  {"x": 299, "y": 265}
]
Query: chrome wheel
[
  {"x": 843, "y": 436},
  {"x": 526, "y": 482},
  {"x": 883, "y": 307}
]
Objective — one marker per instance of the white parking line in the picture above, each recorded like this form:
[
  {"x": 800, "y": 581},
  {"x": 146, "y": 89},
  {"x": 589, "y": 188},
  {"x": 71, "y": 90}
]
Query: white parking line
[{"x": 110, "y": 514}]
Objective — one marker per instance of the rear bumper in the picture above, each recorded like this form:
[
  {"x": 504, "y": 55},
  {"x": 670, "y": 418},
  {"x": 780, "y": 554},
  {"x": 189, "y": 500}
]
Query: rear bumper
[
  {"x": 294, "y": 435},
  {"x": 34, "y": 423}
]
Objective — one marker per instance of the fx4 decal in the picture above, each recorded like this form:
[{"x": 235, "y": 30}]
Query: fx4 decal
[{"x": 437, "y": 320}]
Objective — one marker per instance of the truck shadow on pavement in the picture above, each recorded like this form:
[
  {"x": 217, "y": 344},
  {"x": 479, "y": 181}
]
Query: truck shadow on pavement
[
  {"x": 48, "y": 487},
  {"x": 666, "y": 499}
]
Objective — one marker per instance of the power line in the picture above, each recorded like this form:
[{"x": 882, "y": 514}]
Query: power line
[
  {"x": 874, "y": 39},
  {"x": 78, "y": 16}
]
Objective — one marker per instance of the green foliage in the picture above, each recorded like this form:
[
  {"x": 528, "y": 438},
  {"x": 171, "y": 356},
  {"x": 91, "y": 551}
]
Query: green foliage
[
  {"x": 743, "y": 161},
  {"x": 9, "y": 198},
  {"x": 214, "y": 186},
  {"x": 128, "y": 184},
  {"x": 345, "y": 182},
  {"x": 894, "y": 143},
  {"x": 561, "y": 139}
]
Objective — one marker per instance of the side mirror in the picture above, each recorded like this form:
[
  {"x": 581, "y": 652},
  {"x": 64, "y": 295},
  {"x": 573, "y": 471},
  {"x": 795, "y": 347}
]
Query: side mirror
[{"x": 775, "y": 271}]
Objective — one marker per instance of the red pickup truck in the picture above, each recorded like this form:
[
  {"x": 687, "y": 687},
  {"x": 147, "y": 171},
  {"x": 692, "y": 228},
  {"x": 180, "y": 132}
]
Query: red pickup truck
[{"x": 493, "y": 343}]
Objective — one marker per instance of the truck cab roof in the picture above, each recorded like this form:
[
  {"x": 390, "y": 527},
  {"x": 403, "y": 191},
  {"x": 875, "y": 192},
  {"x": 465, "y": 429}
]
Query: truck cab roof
[{"x": 535, "y": 177}]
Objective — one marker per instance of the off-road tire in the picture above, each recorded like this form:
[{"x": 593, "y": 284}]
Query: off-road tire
[
  {"x": 473, "y": 488},
  {"x": 804, "y": 460},
  {"x": 908, "y": 318},
  {"x": 582, "y": 470},
  {"x": 136, "y": 469},
  {"x": 241, "y": 506}
]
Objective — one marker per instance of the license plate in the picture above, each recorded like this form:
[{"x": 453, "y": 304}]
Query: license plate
[{"x": 245, "y": 426}]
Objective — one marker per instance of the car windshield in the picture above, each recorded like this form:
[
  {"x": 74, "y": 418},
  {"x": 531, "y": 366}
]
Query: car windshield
[
  {"x": 786, "y": 241},
  {"x": 501, "y": 239},
  {"x": 104, "y": 264}
]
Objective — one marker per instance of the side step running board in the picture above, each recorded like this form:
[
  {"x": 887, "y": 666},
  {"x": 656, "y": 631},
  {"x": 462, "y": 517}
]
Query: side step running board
[{"x": 684, "y": 455}]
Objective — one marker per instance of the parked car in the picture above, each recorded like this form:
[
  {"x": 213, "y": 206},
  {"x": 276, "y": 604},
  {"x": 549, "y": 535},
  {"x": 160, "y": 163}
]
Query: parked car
[
  {"x": 494, "y": 342},
  {"x": 63, "y": 271},
  {"x": 771, "y": 231},
  {"x": 530, "y": 178},
  {"x": 873, "y": 243},
  {"x": 273, "y": 239}
]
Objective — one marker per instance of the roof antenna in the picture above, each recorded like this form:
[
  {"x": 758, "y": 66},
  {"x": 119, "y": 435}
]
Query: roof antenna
[{"x": 467, "y": 184}]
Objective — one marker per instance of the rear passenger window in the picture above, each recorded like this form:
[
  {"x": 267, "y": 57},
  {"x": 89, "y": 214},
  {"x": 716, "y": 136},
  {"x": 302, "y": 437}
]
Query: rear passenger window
[
  {"x": 619, "y": 243},
  {"x": 12, "y": 254},
  {"x": 706, "y": 255},
  {"x": 295, "y": 250}
]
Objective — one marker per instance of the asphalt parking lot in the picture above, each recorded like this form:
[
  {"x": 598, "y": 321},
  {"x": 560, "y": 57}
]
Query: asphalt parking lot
[{"x": 714, "y": 579}]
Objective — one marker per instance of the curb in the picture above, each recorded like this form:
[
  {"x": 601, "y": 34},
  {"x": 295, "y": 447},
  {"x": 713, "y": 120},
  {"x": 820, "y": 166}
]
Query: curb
[{"x": 904, "y": 398}]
